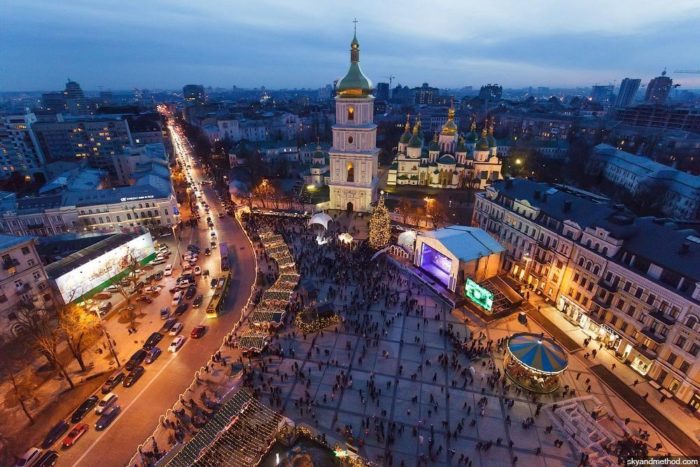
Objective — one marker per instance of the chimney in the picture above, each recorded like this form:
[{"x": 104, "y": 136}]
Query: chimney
[
  {"x": 567, "y": 206},
  {"x": 684, "y": 249}
]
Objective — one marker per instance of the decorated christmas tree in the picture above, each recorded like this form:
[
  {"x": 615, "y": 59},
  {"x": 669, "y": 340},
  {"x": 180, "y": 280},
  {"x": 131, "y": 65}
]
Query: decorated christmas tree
[{"x": 379, "y": 226}]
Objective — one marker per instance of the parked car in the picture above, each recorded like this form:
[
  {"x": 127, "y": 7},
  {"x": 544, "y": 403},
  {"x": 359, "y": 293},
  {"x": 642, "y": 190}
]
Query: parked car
[
  {"x": 135, "y": 360},
  {"x": 133, "y": 376},
  {"x": 107, "y": 418},
  {"x": 164, "y": 313},
  {"x": 85, "y": 408},
  {"x": 198, "y": 301},
  {"x": 158, "y": 261},
  {"x": 198, "y": 331},
  {"x": 169, "y": 323},
  {"x": 113, "y": 381},
  {"x": 181, "y": 308},
  {"x": 197, "y": 270},
  {"x": 158, "y": 276},
  {"x": 176, "y": 344},
  {"x": 191, "y": 291},
  {"x": 54, "y": 433},
  {"x": 107, "y": 401},
  {"x": 213, "y": 282},
  {"x": 153, "y": 355},
  {"x": 168, "y": 271},
  {"x": 207, "y": 251},
  {"x": 78, "y": 430},
  {"x": 152, "y": 340},
  {"x": 48, "y": 459},
  {"x": 105, "y": 307},
  {"x": 145, "y": 299},
  {"x": 29, "y": 458},
  {"x": 177, "y": 298},
  {"x": 175, "y": 330}
]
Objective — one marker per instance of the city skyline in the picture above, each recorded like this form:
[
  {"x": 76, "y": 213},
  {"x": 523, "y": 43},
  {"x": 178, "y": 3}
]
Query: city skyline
[{"x": 280, "y": 46}]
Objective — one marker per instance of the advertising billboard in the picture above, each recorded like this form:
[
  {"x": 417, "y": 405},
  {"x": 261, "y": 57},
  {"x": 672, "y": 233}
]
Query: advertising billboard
[
  {"x": 86, "y": 277},
  {"x": 478, "y": 295}
]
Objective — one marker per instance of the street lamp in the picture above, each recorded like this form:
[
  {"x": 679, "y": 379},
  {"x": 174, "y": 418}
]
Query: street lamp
[{"x": 108, "y": 337}]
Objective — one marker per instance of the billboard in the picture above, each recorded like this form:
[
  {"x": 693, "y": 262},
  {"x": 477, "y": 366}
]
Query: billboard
[
  {"x": 478, "y": 295},
  {"x": 83, "y": 279}
]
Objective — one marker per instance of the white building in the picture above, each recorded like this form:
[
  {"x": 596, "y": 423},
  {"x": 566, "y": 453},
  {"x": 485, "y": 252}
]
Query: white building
[
  {"x": 19, "y": 151},
  {"x": 353, "y": 156},
  {"x": 22, "y": 279},
  {"x": 679, "y": 191}
]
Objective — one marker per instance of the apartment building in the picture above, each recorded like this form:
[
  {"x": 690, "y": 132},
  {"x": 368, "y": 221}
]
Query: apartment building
[{"x": 630, "y": 283}]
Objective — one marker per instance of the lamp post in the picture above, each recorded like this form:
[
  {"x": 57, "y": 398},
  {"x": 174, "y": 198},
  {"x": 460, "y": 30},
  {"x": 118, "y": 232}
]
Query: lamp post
[{"x": 108, "y": 337}]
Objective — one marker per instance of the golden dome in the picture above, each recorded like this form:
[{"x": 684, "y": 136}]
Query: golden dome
[{"x": 450, "y": 127}]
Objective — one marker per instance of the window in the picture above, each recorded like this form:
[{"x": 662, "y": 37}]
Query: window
[
  {"x": 128, "y": 216},
  {"x": 620, "y": 304},
  {"x": 30, "y": 262},
  {"x": 627, "y": 286},
  {"x": 684, "y": 367},
  {"x": 671, "y": 359},
  {"x": 351, "y": 172},
  {"x": 576, "y": 277},
  {"x": 651, "y": 299},
  {"x": 680, "y": 342},
  {"x": 694, "y": 349},
  {"x": 638, "y": 293},
  {"x": 25, "y": 250},
  {"x": 691, "y": 321},
  {"x": 351, "y": 113}
]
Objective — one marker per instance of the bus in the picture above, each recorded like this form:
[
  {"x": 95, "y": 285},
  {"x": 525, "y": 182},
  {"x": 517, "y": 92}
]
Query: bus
[
  {"x": 223, "y": 249},
  {"x": 219, "y": 297}
]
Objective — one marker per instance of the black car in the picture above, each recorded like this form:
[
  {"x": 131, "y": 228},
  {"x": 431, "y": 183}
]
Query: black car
[
  {"x": 112, "y": 382},
  {"x": 193, "y": 248},
  {"x": 55, "y": 433},
  {"x": 158, "y": 276},
  {"x": 213, "y": 282},
  {"x": 169, "y": 323},
  {"x": 152, "y": 341},
  {"x": 181, "y": 308},
  {"x": 191, "y": 291},
  {"x": 47, "y": 459},
  {"x": 133, "y": 376},
  {"x": 136, "y": 359},
  {"x": 198, "y": 301},
  {"x": 107, "y": 417},
  {"x": 84, "y": 408},
  {"x": 145, "y": 299}
]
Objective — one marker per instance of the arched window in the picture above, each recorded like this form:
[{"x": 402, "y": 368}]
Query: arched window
[
  {"x": 351, "y": 113},
  {"x": 351, "y": 172},
  {"x": 691, "y": 321},
  {"x": 588, "y": 266},
  {"x": 596, "y": 268},
  {"x": 580, "y": 262}
]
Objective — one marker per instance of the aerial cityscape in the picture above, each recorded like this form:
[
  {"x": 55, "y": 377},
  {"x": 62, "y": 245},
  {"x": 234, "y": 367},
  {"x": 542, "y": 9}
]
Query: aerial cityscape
[{"x": 373, "y": 234}]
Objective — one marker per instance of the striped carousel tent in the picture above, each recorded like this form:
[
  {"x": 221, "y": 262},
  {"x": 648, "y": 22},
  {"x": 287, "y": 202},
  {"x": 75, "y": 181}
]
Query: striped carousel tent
[{"x": 537, "y": 353}]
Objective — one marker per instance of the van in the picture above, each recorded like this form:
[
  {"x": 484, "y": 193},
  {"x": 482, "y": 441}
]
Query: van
[{"x": 107, "y": 401}]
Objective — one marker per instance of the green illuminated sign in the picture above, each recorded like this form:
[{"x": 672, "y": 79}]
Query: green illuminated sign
[{"x": 478, "y": 295}]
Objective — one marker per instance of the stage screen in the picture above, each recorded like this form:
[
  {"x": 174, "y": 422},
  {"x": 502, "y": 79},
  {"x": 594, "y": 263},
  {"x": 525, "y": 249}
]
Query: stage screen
[
  {"x": 478, "y": 295},
  {"x": 436, "y": 264}
]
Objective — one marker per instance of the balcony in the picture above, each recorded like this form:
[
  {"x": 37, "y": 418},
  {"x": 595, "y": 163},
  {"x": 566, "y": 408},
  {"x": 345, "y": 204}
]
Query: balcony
[
  {"x": 9, "y": 264},
  {"x": 647, "y": 352},
  {"x": 602, "y": 303},
  {"x": 543, "y": 246},
  {"x": 651, "y": 334},
  {"x": 612, "y": 288},
  {"x": 663, "y": 317},
  {"x": 22, "y": 289}
]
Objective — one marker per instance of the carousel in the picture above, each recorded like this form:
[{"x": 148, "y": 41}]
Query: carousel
[{"x": 534, "y": 362}]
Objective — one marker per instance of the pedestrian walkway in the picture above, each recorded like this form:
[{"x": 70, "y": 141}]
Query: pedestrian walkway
[{"x": 561, "y": 336}]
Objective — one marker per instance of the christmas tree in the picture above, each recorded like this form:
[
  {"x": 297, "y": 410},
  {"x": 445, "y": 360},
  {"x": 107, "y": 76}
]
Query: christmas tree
[{"x": 379, "y": 226}]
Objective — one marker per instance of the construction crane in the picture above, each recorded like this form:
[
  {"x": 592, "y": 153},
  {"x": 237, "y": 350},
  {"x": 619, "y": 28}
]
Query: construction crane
[
  {"x": 391, "y": 79},
  {"x": 688, "y": 72}
]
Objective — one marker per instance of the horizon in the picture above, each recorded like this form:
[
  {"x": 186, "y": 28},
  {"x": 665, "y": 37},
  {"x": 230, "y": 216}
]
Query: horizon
[{"x": 277, "y": 46}]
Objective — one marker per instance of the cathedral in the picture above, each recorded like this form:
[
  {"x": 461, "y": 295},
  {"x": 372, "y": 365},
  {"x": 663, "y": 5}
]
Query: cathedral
[
  {"x": 449, "y": 160},
  {"x": 354, "y": 153}
]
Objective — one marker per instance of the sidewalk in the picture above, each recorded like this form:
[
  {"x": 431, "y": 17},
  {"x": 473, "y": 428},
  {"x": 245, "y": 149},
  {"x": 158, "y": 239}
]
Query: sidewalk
[{"x": 673, "y": 420}]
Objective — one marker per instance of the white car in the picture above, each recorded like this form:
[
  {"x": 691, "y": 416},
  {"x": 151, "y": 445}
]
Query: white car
[
  {"x": 176, "y": 344},
  {"x": 175, "y": 330},
  {"x": 176, "y": 298},
  {"x": 168, "y": 270},
  {"x": 29, "y": 458},
  {"x": 198, "y": 271},
  {"x": 107, "y": 401}
]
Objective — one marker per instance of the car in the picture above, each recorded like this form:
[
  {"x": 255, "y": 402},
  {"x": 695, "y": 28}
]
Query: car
[
  {"x": 113, "y": 381},
  {"x": 168, "y": 271},
  {"x": 177, "y": 298},
  {"x": 48, "y": 459},
  {"x": 153, "y": 355},
  {"x": 198, "y": 301},
  {"x": 221, "y": 283},
  {"x": 213, "y": 282},
  {"x": 105, "y": 307},
  {"x": 191, "y": 291},
  {"x": 207, "y": 251},
  {"x": 107, "y": 401},
  {"x": 192, "y": 247},
  {"x": 133, "y": 376},
  {"x": 198, "y": 331},
  {"x": 181, "y": 308},
  {"x": 175, "y": 330},
  {"x": 112, "y": 289},
  {"x": 54, "y": 433},
  {"x": 135, "y": 360},
  {"x": 29, "y": 458},
  {"x": 145, "y": 299},
  {"x": 84, "y": 408},
  {"x": 176, "y": 344},
  {"x": 169, "y": 323},
  {"x": 198, "y": 271},
  {"x": 213, "y": 243},
  {"x": 74, "y": 435},
  {"x": 107, "y": 418},
  {"x": 152, "y": 340},
  {"x": 158, "y": 276},
  {"x": 213, "y": 234},
  {"x": 159, "y": 261},
  {"x": 174, "y": 289},
  {"x": 164, "y": 313}
]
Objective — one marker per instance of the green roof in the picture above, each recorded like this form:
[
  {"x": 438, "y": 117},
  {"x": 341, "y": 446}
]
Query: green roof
[{"x": 416, "y": 141}]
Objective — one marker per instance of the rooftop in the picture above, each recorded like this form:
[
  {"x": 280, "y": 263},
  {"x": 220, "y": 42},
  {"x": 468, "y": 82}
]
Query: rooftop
[
  {"x": 465, "y": 243},
  {"x": 9, "y": 241}
]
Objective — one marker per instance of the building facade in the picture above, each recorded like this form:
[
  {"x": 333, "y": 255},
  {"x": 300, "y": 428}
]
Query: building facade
[
  {"x": 606, "y": 272},
  {"x": 354, "y": 154},
  {"x": 23, "y": 282},
  {"x": 627, "y": 93},
  {"x": 19, "y": 151}
]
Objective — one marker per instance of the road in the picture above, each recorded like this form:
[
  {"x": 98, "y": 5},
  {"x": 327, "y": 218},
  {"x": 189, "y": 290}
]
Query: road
[{"x": 171, "y": 374}]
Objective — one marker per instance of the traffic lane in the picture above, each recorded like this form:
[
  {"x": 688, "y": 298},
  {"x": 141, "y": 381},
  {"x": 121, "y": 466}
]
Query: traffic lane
[{"x": 136, "y": 423}]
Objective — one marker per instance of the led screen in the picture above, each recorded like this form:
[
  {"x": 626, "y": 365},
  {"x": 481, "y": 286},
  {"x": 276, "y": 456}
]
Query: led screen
[
  {"x": 436, "y": 264},
  {"x": 478, "y": 295}
]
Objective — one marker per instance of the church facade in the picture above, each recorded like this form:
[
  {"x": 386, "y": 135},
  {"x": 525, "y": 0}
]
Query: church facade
[
  {"x": 354, "y": 153},
  {"x": 449, "y": 160}
]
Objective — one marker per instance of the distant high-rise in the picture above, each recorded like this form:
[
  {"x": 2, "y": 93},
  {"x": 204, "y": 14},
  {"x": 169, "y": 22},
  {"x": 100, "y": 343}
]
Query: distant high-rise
[
  {"x": 76, "y": 102},
  {"x": 18, "y": 149},
  {"x": 491, "y": 92},
  {"x": 628, "y": 90},
  {"x": 54, "y": 102},
  {"x": 659, "y": 89},
  {"x": 73, "y": 90},
  {"x": 426, "y": 94},
  {"x": 194, "y": 94},
  {"x": 601, "y": 93},
  {"x": 382, "y": 91}
]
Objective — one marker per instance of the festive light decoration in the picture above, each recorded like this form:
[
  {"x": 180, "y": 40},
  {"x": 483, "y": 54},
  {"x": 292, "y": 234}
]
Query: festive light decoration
[{"x": 379, "y": 226}]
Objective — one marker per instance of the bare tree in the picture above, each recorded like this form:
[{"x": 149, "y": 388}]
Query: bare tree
[
  {"x": 23, "y": 393},
  {"x": 78, "y": 327},
  {"x": 405, "y": 209},
  {"x": 437, "y": 212},
  {"x": 38, "y": 326}
]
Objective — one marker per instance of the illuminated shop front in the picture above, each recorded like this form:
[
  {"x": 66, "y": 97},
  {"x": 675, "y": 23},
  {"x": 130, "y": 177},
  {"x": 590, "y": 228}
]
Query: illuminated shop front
[{"x": 580, "y": 317}]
